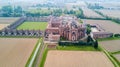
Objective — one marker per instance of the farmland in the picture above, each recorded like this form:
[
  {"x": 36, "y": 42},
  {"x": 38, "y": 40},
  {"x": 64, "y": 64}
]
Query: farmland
[
  {"x": 4, "y": 20},
  {"x": 105, "y": 24},
  {"x": 3, "y": 26},
  {"x": 15, "y": 52},
  {"x": 117, "y": 56},
  {"x": 90, "y": 14},
  {"x": 111, "y": 13},
  {"x": 111, "y": 46},
  {"x": 33, "y": 26},
  {"x": 77, "y": 59}
]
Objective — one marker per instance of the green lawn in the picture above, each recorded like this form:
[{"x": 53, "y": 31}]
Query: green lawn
[
  {"x": 80, "y": 48},
  {"x": 33, "y": 26}
]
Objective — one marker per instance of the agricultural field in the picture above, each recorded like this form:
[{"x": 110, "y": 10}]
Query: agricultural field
[
  {"x": 5, "y": 20},
  {"x": 90, "y": 13},
  {"x": 15, "y": 52},
  {"x": 117, "y": 56},
  {"x": 111, "y": 13},
  {"x": 109, "y": 4},
  {"x": 57, "y": 58},
  {"x": 105, "y": 24},
  {"x": 78, "y": 4},
  {"x": 33, "y": 26},
  {"x": 111, "y": 46},
  {"x": 3, "y": 26}
]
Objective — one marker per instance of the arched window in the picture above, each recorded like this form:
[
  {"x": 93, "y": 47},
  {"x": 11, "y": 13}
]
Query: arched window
[{"x": 73, "y": 36}]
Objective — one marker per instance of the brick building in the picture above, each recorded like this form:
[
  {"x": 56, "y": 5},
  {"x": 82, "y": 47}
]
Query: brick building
[{"x": 64, "y": 26}]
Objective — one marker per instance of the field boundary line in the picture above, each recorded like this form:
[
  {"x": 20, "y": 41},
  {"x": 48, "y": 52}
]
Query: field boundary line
[
  {"x": 116, "y": 52},
  {"x": 34, "y": 55},
  {"x": 110, "y": 57},
  {"x": 31, "y": 60}
]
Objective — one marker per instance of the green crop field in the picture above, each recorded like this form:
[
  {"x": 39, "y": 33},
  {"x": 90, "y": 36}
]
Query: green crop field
[{"x": 33, "y": 26}]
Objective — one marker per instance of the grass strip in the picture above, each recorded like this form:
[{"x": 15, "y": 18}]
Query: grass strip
[
  {"x": 78, "y": 48},
  {"x": 117, "y": 52},
  {"x": 113, "y": 60},
  {"x": 43, "y": 58},
  {"x": 31, "y": 56},
  {"x": 117, "y": 61},
  {"x": 36, "y": 59}
]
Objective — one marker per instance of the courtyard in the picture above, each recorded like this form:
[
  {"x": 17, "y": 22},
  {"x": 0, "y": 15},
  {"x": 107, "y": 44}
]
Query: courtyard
[{"x": 33, "y": 26}]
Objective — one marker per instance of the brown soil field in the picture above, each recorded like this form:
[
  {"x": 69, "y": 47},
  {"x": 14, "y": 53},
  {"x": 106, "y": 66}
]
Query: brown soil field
[
  {"x": 3, "y": 26},
  {"x": 117, "y": 56},
  {"x": 14, "y": 52},
  {"x": 90, "y": 13},
  {"x": 111, "y": 13},
  {"x": 105, "y": 24},
  {"x": 77, "y": 59},
  {"x": 111, "y": 46},
  {"x": 4, "y": 20}
]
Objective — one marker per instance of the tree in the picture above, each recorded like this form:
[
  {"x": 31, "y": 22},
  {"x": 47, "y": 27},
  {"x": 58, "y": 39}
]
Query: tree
[
  {"x": 57, "y": 12},
  {"x": 88, "y": 29},
  {"x": 72, "y": 12},
  {"x": 96, "y": 44},
  {"x": 7, "y": 11},
  {"x": 17, "y": 11},
  {"x": 65, "y": 11},
  {"x": 89, "y": 39},
  {"x": 78, "y": 14}
]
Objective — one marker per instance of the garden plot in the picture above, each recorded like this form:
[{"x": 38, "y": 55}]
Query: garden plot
[
  {"x": 33, "y": 26},
  {"x": 57, "y": 58},
  {"x": 111, "y": 46},
  {"x": 15, "y": 52},
  {"x": 90, "y": 13},
  {"x": 108, "y": 26}
]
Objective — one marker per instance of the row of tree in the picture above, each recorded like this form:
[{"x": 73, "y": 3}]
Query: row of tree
[
  {"x": 11, "y": 11},
  {"x": 55, "y": 12},
  {"x": 94, "y": 6},
  {"x": 90, "y": 42},
  {"x": 117, "y": 20}
]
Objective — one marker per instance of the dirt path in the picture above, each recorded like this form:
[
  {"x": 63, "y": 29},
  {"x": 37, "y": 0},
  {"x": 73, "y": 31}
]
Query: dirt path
[{"x": 39, "y": 55}]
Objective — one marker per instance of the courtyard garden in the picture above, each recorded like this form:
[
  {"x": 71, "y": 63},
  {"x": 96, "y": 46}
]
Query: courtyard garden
[{"x": 32, "y": 26}]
